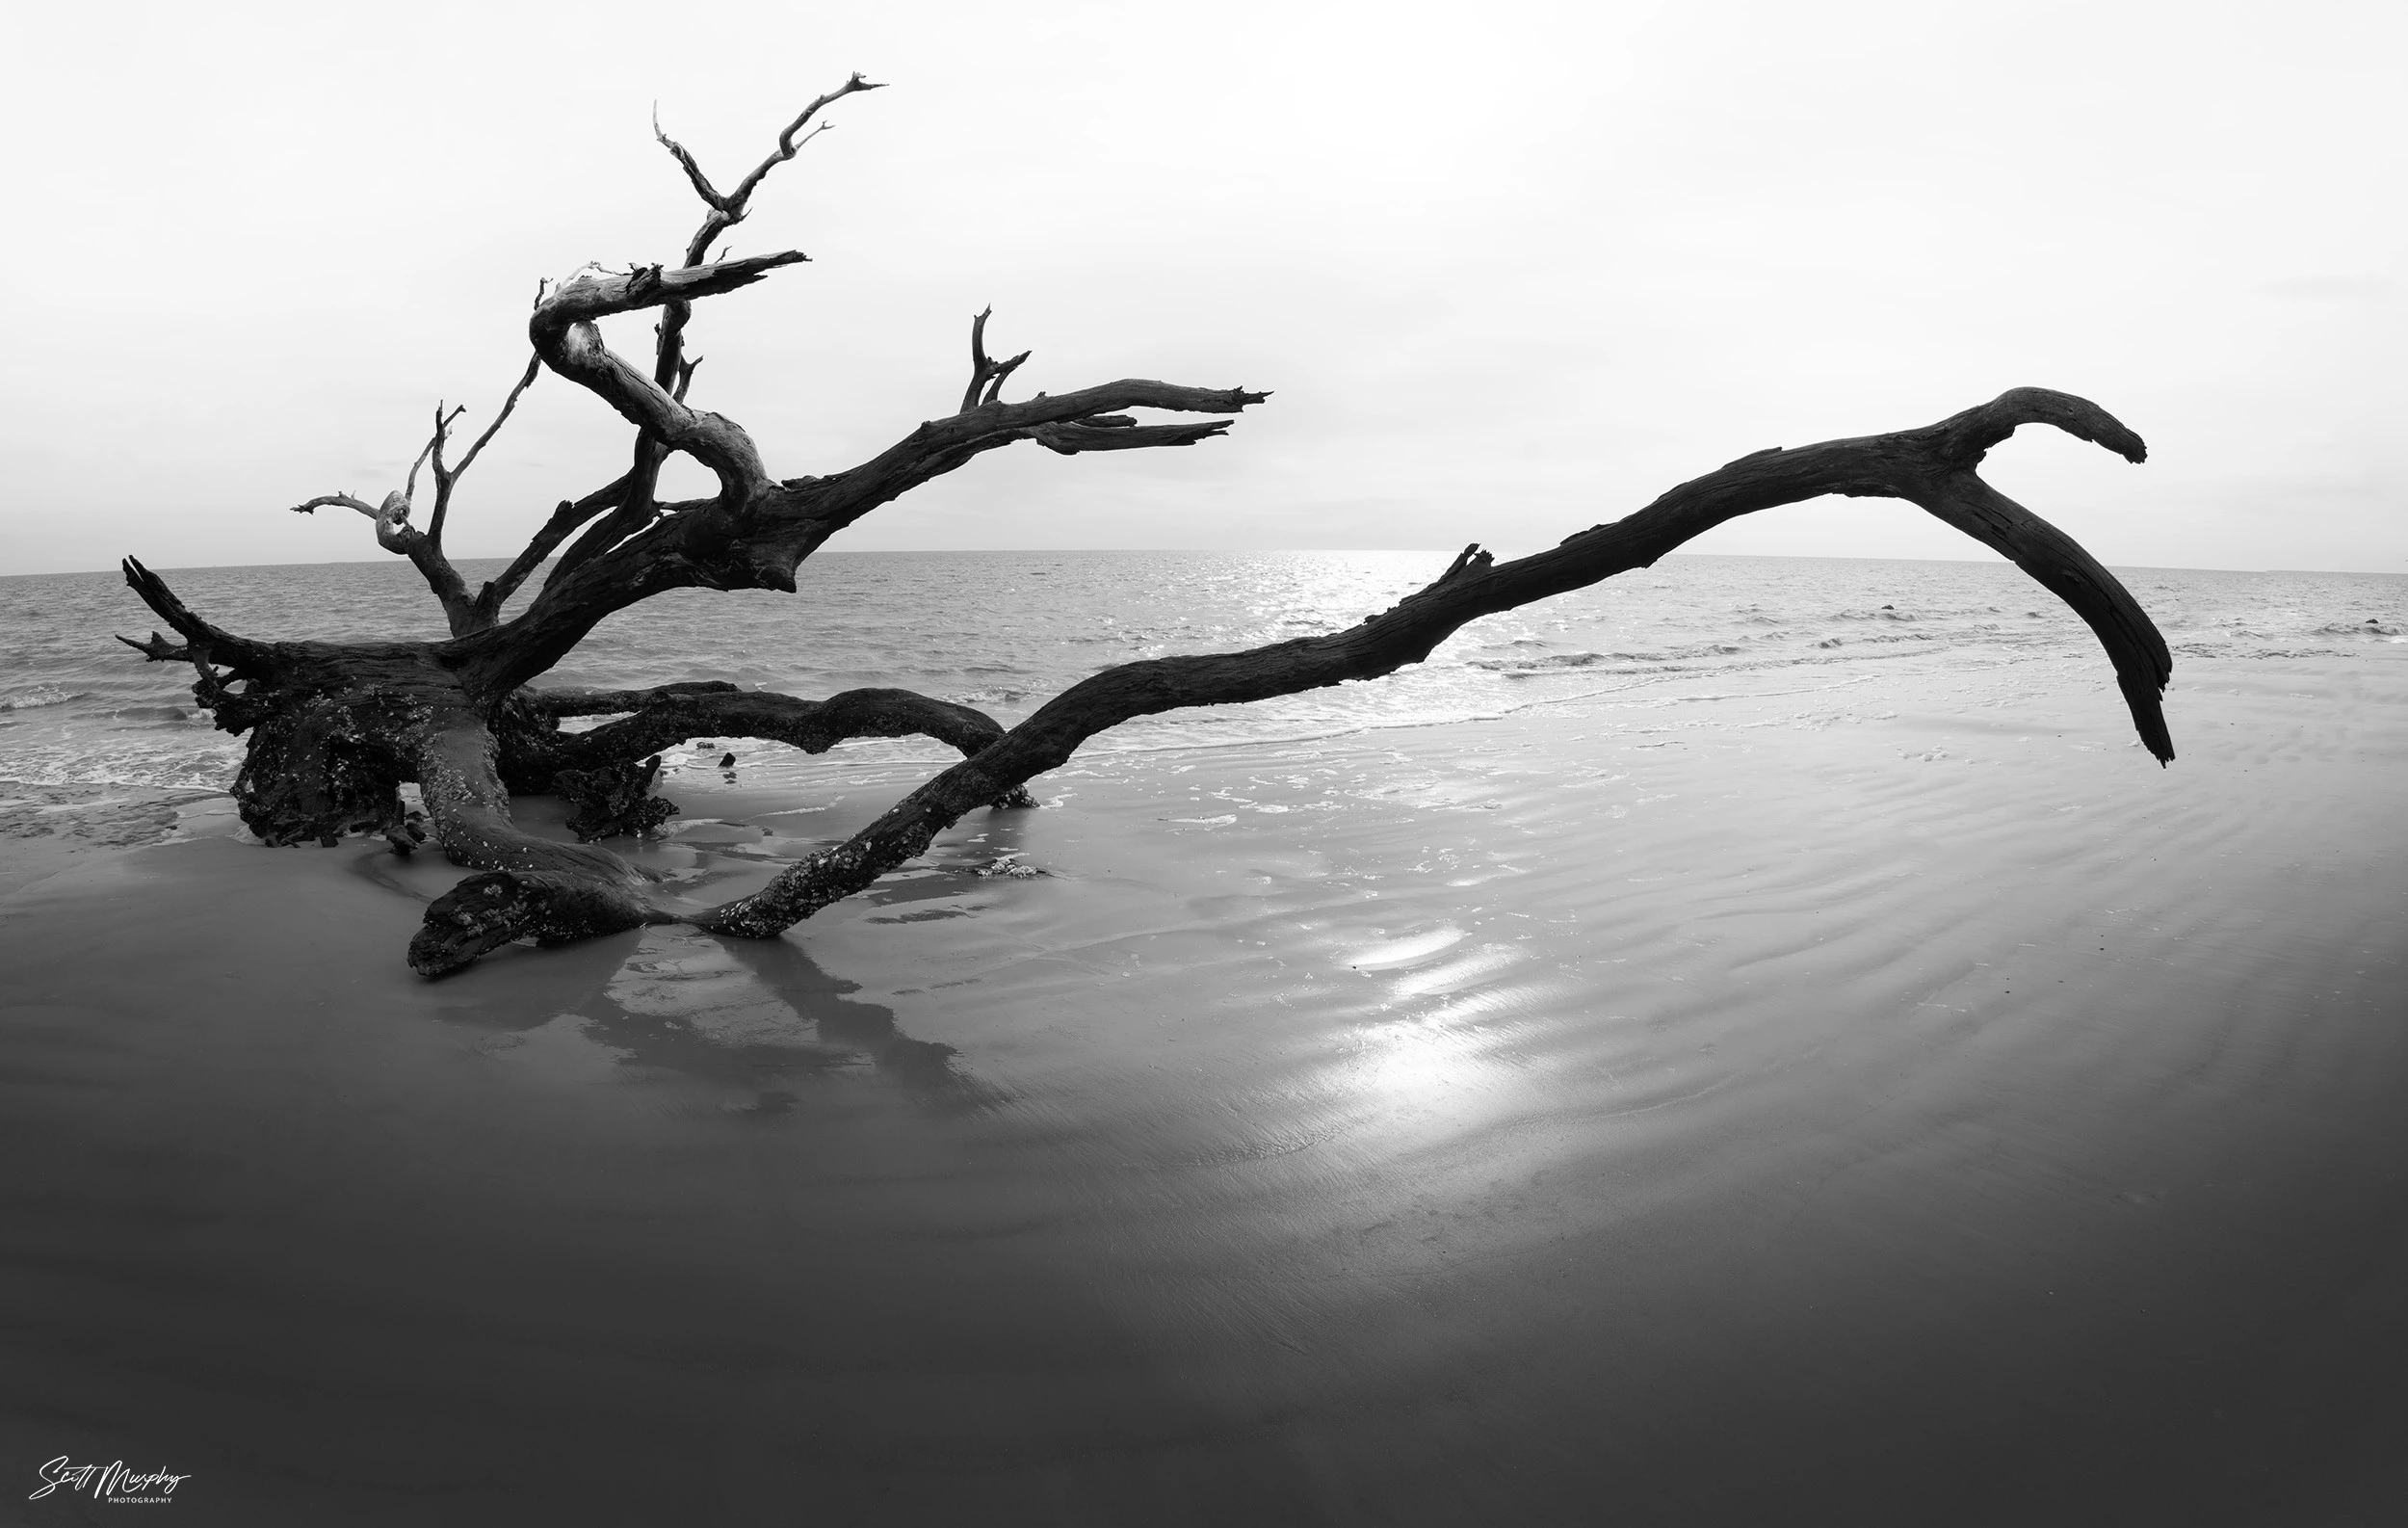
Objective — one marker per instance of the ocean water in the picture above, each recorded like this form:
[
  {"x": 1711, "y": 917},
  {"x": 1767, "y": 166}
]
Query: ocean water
[{"x": 1004, "y": 631}]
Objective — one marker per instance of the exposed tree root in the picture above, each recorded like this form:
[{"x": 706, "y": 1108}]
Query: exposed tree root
[
  {"x": 614, "y": 799},
  {"x": 1932, "y": 466},
  {"x": 336, "y": 728},
  {"x": 536, "y": 888}
]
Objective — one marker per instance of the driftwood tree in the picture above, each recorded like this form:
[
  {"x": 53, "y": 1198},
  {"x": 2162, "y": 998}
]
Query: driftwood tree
[{"x": 335, "y": 729}]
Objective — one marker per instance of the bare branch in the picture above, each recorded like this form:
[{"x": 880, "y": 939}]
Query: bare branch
[
  {"x": 695, "y": 176},
  {"x": 1119, "y": 432},
  {"x": 425, "y": 549},
  {"x": 564, "y": 337},
  {"x": 341, "y": 501},
  {"x": 1971, "y": 434},
  {"x": 1086, "y": 420},
  {"x": 432, "y": 448},
  {"x": 725, "y": 212},
  {"x": 636, "y": 508},
  {"x": 203, "y": 641},
  {"x": 394, "y": 532},
  {"x": 1470, "y": 559},
  {"x": 616, "y": 703},
  {"x": 730, "y": 209},
  {"x": 588, "y": 294},
  {"x": 665, "y": 717},
  {"x": 396, "y": 535},
  {"x": 986, "y": 376},
  {"x": 685, "y": 545},
  {"x": 2059, "y": 565},
  {"x": 788, "y": 143},
  {"x": 526, "y": 380},
  {"x": 157, "y": 649},
  {"x": 445, "y": 478},
  {"x": 1931, "y": 467},
  {"x": 658, "y": 413},
  {"x": 555, "y": 892},
  {"x": 563, "y": 522},
  {"x": 337, "y": 728}
]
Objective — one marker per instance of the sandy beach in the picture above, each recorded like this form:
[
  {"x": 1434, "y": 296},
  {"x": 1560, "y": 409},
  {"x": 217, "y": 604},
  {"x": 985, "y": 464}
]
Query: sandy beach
[{"x": 1767, "y": 1110}]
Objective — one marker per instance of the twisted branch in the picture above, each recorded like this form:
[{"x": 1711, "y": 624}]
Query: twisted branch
[
  {"x": 202, "y": 643},
  {"x": 1932, "y": 467},
  {"x": 629, "y": 500},
  {"x": 565, "y": 337},
  {"x": 727, "y": 211},
  {"x": 986, "y": 376},
  {"x": 434, "y": 447},
  {"x": 565, "y": 520},
  {"x": 704, "y": 545},
  {"x": 672, "y": 714},
  {"x": 425, "y": 549},
  {"x": 1089, "y": 419},
  {"x": 671, "y": 372},
  {"x": 344, "y": 723},
  {"x": 445, "y": 477}
]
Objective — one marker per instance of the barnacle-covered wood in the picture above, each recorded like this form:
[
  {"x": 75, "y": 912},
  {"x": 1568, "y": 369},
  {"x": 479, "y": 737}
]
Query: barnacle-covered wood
[
  {"x": 336, "y": 728},
  {"x": 536, "y": 888},
  {"x": 614, "y": 799}
]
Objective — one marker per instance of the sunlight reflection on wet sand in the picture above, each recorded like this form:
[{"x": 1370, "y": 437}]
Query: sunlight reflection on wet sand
[{"x": 1695, "y": 1120}]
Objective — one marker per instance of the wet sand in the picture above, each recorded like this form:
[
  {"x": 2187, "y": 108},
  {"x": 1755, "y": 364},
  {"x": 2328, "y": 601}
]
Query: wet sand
[
  {"x": 47, "y": 829},
  {"x": 1762, "y": 1110}
]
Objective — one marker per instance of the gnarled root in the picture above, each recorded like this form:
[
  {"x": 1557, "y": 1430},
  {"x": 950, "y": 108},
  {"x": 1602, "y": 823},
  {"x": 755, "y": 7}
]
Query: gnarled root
[
  {"x": 532, "y": 888},
  {"x": 331, "y": 725},
  {"x": 321, "y": 769},
  {"x": 343, "y": 722},
  {"x": 498, "y": 907},
  {"x": 614, "y": 798}
]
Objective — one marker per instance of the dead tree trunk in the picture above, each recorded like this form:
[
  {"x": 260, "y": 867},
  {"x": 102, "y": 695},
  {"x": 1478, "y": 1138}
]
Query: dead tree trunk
[{"x": 336, "y": 728}]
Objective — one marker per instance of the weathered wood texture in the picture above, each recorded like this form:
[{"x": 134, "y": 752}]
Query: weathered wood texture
[
  {"x": 1932, "y": 467},
  {"x": 336, "y": 728}
]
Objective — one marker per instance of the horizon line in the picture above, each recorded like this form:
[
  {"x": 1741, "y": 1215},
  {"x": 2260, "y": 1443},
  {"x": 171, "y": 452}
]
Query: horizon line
[{"x": 1207, "y": 551}]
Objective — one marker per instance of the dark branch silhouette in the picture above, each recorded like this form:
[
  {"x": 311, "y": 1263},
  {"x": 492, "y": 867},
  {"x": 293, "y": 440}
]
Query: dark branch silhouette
[{"x": 336, "y": 728}]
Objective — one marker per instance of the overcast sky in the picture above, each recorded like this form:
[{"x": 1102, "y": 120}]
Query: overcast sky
[{"x": 1510, "y": 274}]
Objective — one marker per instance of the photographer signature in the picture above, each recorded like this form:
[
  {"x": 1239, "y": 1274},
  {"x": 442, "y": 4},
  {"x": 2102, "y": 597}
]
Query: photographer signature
[{"x": 108, "y": 1482}]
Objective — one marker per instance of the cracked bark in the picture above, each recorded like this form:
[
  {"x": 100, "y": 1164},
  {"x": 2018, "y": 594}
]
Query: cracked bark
[
  {"x": 1932, "y": 467},
  {"x": 336, "y": 728}
]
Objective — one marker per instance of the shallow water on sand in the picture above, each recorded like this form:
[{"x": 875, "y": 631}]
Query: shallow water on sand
[
  {"x": 1883, "y": 1103},
  {"x": 1786, "y": 1083}
]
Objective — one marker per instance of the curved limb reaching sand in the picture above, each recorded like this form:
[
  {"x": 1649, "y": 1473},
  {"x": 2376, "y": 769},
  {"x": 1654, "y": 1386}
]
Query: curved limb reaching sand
[
  {"x": 336, "y": 727},
  {"x": 1932, "y": 467}
]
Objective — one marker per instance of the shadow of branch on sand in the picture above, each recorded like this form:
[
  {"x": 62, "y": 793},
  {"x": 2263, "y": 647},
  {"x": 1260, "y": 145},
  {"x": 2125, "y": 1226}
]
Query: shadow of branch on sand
[{"x": 750, "y": 1014}]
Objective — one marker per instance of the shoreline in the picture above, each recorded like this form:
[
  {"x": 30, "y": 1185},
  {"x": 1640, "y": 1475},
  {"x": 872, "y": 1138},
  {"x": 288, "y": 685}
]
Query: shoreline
[
  {"x": 1685, "y": 1113},
  {"x": 47, "y": 829}
]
